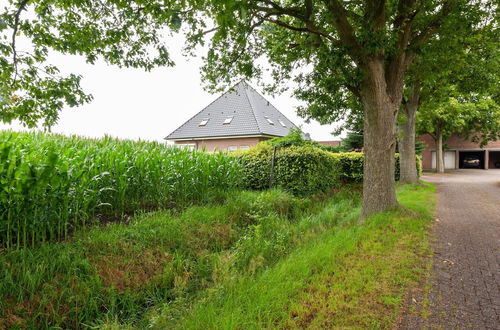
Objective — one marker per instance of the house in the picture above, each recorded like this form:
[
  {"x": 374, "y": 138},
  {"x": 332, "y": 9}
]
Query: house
[
  {"x": 238, "y": 119},
  {"x": 333, "y": 143},
  {"x": 456, "y": 149}
]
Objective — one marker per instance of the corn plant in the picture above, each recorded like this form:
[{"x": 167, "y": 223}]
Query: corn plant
[{"x": 51, "y": 185}]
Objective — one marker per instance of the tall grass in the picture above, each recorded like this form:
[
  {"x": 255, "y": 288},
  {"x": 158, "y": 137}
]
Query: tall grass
[
  {"x": 351, "y": 276},
  {"x": 119, "y": 271},
  {"x": 51, "y": 185}
]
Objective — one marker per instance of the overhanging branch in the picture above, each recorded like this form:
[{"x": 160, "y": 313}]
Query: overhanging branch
[
  {"x": 419, "y": 38},
  {"x": 22, "y": 6},
  {"x": 345, "y": 30}
]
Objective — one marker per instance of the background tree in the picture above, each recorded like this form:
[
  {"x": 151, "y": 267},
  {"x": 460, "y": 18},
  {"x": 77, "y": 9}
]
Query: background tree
[
  {"x": 353, "y": 141},
  {"x": 345, "y": 48},
  {"x": 123, "y": 33},
  {"x": 477, "y": 118},
  {"x": 465, "y": 62}
]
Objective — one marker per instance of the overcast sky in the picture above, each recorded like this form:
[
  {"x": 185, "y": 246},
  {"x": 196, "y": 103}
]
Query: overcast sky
[{"x": 133, "y": 104}]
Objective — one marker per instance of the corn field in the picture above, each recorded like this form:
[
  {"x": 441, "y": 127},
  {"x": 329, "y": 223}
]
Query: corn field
[{"x": 51, "y": 185}]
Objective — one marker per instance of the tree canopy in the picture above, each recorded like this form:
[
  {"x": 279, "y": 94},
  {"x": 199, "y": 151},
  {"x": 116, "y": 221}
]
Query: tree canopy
[
  {"x": 321, "y": 44},
  {"x": 477, "y": 118},
  {"x": 342, "y": 54}
]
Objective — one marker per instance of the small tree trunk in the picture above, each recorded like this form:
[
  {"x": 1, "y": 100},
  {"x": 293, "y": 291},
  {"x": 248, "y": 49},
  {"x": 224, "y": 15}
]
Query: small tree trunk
[
  {"x": 439, "y": 151},
  {"x": 407, "y": 157},
  {"x": 379, "y": 192}
]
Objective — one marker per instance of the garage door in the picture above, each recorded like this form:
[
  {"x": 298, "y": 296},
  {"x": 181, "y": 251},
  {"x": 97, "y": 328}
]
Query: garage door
[{"x": 449, "y": 160}]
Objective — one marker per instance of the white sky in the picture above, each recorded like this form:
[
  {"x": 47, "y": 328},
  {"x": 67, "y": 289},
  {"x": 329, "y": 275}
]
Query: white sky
[{"x": 134, "y": 104}]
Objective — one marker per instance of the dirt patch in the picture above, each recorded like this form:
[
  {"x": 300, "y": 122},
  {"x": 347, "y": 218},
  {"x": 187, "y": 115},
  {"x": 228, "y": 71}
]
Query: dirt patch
[
  {"x": 210, "y": 236},
  {"x": 16, "y": 314},
  {"x": 127, "y": 272},
  {"x": 11, "y": 320}
]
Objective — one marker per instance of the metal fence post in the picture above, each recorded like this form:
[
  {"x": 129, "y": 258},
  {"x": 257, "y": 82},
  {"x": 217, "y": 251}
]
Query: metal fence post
[{"x": 271, "y": 178}]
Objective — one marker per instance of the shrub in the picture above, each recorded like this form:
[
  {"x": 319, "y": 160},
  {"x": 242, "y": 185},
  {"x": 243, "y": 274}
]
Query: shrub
[
  {"x": 303, "y": 170},
  {"x": 351, "y": 166}
]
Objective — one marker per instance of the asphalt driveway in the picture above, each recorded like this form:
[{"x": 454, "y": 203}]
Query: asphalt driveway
[{"x": 465, "y": 277}]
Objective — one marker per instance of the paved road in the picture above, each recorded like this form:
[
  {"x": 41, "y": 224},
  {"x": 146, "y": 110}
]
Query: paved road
[{"x": 465, "y": 276}]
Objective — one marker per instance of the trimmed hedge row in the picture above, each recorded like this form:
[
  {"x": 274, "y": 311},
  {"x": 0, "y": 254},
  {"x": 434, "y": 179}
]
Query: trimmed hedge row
[{"x": 303, "y": 170}]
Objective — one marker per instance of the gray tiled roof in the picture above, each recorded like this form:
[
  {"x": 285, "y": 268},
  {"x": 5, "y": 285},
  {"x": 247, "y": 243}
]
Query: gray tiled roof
[{"x": 249, "y": 110}]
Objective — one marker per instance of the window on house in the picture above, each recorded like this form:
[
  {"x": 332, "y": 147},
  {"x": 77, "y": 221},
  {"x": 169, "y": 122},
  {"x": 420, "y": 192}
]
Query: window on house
[
  {"x": 203, "y": 122},
  {"x": 228, "y": 120},
  {"x": 232, "y": 148},
  {"x": 281, "y": 122},
  {"x": 269, "y": 120},
  {"x": 244, "y": 147},
  {"x": 190, "y": 146}
]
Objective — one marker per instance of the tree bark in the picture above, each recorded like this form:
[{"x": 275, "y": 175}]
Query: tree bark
[
  {"x": 380, "y": 111},
  {"x": 407, "y": 156},
  {"x": 439, "y": 151}
]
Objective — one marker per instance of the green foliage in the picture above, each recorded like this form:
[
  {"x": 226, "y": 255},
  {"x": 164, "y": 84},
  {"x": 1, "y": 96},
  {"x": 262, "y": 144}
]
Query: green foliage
[
  {"x": 290, "y": 34},
  {"x": 474, "y": 117},
  {"x": 420, "y": 147},
  {"x": 52, "y": 185},
  {"x": 353, "y": 141},
  {"x": 33, "y": 90},
  {"x": 420, "y": 167},
  {"x": 121, "y": 270},
  {"x": 302, "y": 170},
  {"x": 462, "y": 98},
  {"x": 333, "y": 149},
  {"x": 295, "y": 137},
  {"x": 350, "y": 166}
]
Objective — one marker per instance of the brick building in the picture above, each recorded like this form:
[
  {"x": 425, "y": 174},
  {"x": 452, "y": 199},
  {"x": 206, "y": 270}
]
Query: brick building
[
  {"x": 334, "y": 143},
  {"x": 238, "y": 119},
  {"x": 456, "y": 149}
]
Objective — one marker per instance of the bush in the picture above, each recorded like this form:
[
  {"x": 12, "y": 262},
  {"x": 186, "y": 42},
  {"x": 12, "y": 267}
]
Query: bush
[
  {"x": 301, "y": 170},
  {"x": 351, "y": 166}
]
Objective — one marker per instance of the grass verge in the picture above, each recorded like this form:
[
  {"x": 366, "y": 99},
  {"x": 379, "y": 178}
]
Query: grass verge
[
  {"x": 119, "y": 271},
  {"x": 351, "y": 276},
  {"x": 261, "y": 259}
]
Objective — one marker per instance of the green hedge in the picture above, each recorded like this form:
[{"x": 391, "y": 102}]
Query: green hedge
[
  {"x": 351, "y": 166},
  {"x": 303, "y": 170}
]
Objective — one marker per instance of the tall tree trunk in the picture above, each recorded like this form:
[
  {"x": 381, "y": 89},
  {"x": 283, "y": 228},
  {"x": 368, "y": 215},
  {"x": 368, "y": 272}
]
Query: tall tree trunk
[
  {"x": 407, "y": 157},
  {"x": 380, "y": 109},
  {"x": 439, "y": 151}
]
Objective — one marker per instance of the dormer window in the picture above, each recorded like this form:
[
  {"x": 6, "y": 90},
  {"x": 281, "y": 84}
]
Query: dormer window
[
  {"x": 228, "y": 121},
  {"x": 281, "y": 122},
  {"x": 269, "y": 121},
  {"x": 203, "y": 122}
]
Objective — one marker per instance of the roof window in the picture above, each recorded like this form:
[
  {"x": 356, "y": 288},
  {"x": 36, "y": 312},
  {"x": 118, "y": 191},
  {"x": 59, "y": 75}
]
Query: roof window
[
  {"x": 203, "y": 122},
  {"x": 228, "y": 120},
  {"x": 269, "y": 120},
  {"x": 281, "y": 122}
]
